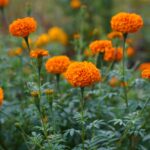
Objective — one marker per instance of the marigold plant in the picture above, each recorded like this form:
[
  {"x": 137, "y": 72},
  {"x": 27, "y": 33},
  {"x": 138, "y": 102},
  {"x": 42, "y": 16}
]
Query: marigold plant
[
  {"x": 23, "y": 27},
  {"x": 126, "y": 22},
  {"x": 57, "y": 64},
  {"x": 1, "y": 96},
  {"x": 82, "y": 74},
  {"x": 99, "y": 46},
  {"x": 38, "y": 53}
]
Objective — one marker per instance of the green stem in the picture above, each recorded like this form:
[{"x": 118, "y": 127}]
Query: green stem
[
  {"x": 44, "y": 129},
  {"x": 123, "y": 70},
  {"x": 39, "y": 66},
  {"x": 108, "y": 70},
  {"x": 99, "y": 61},
  {"x": 27, "y": 42},
  {"x": 57, "y": 82},
  {"x": 82, "y": 115}
]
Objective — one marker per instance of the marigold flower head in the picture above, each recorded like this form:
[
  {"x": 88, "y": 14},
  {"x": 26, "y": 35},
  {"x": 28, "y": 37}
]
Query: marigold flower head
[
  {"x": 56, "y": 34},
  {"x": 126, "y": 22},
  {"x": 118, "y": 54},
  {"x": 130, "y": 52},
  {"x": 113, "y": 82},
  {"x": 15, "y": 52},
  {"x": 49, "y": 91},
  {"x": 113, "y": 54},
  {"x": 115, "y": 34},
  {"x": 75, "y": 4},
  {"x": 109, "y": 54},
  {"x": 34, "y": 93},
  {"x": 23, "y": 27},
  {"x": 99, "y": 46},
  {"x": 129, "y": 41},
  {"x": 43, "y": 39},
  {"x": 76, "y": 36},
  {"x": 123, "y": 84},
  {"x": 3, "y": 3},
  {"x": 81, "y": 74},
  {"x": 1, "y": 96},
  {"x": 57, "y": 64},
  {"x": 36, "y": 53},
  {"x": 146, "y": 74},
  {"x": 144, "y": 66}
]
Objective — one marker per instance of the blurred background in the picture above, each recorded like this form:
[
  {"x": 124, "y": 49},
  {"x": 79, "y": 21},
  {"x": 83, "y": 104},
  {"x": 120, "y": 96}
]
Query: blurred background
[{"x": 91, "y": 17}]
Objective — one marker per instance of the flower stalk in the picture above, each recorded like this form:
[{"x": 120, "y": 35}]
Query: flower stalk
[
  {"x": 82, "y": 117},
  {"x": 123, "y": 70},
  {"x": 27, "y": 42},
  {"x": 57, "y": 82}
]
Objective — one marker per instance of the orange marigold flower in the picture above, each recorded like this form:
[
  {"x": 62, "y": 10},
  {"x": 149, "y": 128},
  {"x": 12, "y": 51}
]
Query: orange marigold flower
[
  {"x": 130, "y": 51},
  {"x": 115, "y": 34},
  {"x": 146, "y": 74},
  {"x": 99, "y": 46},
  {"x": 23, "y": 27},
  {"x": 109, "y": 54},
  {"x": 81, "y": 74},
  {"x": 3, "y": 3},
  {"x": 144, "y": 66},
  {"x": 1, "y": 96},
  {"x": 75, "y": 4},
  {"x": 119, "y": 54},
  {"x": 43, "y": 39},
  {"x": 38, "y": 53},
  {"x": 56, "y": 34},
  {"x": 113, "y": 82},
  {"x": 76, "y": 36},
  {"x": 123, "y": 84},
  {"x": 129, "y": 41},
  {"x": 113, "y": 54},
  {"x": 57, "y": 64},
  {"x": 126, "y": 22}
]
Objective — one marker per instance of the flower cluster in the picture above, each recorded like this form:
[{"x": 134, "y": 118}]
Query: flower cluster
[
  {"x": 57, "y": 64},
  {"x": 81, "y": 74},
  {"x": 23, "y": 27},
  {"x": 1, "y": 96},
  {"x": 99, "y": 46},
  {"x": 126, "y": 22},
  {"x": 38, "y": 53}
]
